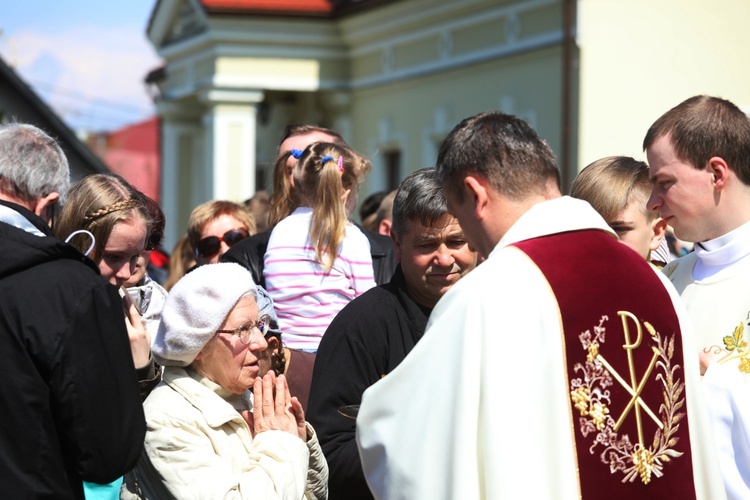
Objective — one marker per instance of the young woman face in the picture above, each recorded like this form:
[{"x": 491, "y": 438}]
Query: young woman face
[{"x": 120, "y": 254}]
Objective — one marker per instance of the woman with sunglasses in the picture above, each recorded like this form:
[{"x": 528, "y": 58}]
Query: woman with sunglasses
[
  {"x": 215, "y": 226},
  {"x": 218, "y": 425}
]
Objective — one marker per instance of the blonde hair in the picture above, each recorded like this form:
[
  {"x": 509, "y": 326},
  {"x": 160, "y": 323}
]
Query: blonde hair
[
  {"x": 97, "y": 203},
  {"x": 206, "y": 212},
  {"x": 283, "y": 199},
  {"x": 610, "y": 184},
  {"x": 320, "y": 183}
]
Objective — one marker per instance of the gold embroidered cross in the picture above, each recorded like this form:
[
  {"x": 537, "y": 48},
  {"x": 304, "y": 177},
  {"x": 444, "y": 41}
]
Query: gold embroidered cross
[{"x": 635, "y": 387}]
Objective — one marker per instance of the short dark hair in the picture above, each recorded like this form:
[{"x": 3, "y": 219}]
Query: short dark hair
[
  {"x": 370, "y": 205},
  {"x": 503, "y": 149},
  {"x": 702, "y": 127},
  {"x": 419, "y": 198}
]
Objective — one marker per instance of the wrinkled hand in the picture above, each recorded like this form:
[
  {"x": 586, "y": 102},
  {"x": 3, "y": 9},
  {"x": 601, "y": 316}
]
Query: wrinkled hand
[
  {"x": 274, "y": 408},
  {"x": 299, "y": 415},
  {"x": 140, "y": 341}
]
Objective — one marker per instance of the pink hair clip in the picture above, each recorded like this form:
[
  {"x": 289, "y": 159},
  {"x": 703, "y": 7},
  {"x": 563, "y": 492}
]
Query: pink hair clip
[{"x": 341, "y": 164}]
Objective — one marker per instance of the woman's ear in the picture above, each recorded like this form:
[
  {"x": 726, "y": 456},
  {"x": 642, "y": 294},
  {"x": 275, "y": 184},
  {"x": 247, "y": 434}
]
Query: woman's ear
[
  {"x": 273, "y": 343},
  {"x": 659, "y": 230}
]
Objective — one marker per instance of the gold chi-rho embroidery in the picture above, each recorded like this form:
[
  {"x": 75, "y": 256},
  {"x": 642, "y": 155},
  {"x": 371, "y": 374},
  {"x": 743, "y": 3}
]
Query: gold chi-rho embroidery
[{"x": 591, "y": 398}]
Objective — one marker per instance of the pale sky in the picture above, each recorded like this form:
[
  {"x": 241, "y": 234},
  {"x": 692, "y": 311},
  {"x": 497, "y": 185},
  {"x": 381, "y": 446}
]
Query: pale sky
[{"x": 86, "y": 58}]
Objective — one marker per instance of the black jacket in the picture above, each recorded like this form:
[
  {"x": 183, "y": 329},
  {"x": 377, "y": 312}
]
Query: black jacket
[
  {"x": 249, "y": 254},
  {"x": 71, "y": 410},
  {"x": 366, "y": 341}
]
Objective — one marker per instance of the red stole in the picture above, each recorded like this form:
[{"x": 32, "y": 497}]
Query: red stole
[{"x": 623, "y": 352}]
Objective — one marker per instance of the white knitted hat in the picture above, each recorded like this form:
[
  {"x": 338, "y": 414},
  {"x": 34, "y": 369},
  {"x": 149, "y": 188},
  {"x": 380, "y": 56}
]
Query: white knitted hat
[{"x": 195, "y": 309}]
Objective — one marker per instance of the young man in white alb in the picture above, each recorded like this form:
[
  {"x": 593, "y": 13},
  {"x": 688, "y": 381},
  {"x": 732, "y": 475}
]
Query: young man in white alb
[{"x": 699, "y": 157}]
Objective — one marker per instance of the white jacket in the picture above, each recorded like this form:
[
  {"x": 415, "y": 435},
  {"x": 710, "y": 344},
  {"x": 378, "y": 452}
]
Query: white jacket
[{"x": 198, "y": 446}]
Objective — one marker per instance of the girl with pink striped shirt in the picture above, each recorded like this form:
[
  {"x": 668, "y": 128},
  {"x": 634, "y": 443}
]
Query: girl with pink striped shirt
[{"x": 317, "y": 261}]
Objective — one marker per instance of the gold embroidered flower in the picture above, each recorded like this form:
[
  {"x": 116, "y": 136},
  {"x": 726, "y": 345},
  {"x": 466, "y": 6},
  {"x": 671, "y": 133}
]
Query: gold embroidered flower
[
  {"x": 593, "y": 351},
  {"x": 643, "y": 460},
  {"x": 736, "y": 340},
  {"x": 745, "y": 365},
  {"x": 599, "y": 412},
  {"x": 581, "y": 399}
]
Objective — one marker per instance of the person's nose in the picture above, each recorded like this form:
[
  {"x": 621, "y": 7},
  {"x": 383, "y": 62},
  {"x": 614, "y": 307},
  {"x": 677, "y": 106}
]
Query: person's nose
[
  {"x": 444, "y": 256},
  {"x": 655, "y": 201},
  {"x": 258, "y": 343},
  {"x": 223, "y": 248},
  {"x": 125, "y": 271}
]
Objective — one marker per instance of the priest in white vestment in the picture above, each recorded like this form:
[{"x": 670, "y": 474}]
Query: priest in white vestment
[{"x": 556, "y": 369}]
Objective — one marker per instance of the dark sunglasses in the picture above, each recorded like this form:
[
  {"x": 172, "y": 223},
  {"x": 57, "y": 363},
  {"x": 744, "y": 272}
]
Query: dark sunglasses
[{"x": 210, "y": 246}]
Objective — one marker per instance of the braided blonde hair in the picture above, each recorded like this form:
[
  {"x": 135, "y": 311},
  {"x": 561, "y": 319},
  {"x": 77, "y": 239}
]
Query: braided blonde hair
[
  {"x": 96, "y": 204},
  {"x": 93, "y": 215}
]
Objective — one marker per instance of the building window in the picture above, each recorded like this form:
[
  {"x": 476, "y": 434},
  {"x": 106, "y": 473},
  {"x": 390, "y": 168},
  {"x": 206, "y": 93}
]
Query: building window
[
  {"x": 392, "y": 169},
  {"x": 260, "y": 178}
]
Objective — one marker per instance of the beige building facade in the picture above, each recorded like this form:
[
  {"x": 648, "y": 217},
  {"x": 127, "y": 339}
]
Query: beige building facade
[{"x": 394, "y": 77}]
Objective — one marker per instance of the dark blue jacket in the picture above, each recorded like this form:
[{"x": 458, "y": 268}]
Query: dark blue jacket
[{"x": 70, "y": 408}]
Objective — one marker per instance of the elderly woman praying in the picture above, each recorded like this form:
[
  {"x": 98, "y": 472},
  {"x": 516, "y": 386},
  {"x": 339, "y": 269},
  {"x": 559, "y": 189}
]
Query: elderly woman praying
[{"x": 217, "y": 427}]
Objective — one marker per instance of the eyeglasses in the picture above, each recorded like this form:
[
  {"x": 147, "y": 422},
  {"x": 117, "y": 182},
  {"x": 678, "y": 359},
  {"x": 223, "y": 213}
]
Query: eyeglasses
[
  {"x": 210, "y": 246},
  {"x": 246, "y": 331}
]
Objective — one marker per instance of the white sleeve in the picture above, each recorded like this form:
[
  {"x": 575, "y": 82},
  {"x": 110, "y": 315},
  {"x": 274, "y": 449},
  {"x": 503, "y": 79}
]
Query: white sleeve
[
  {"x": 707, "y": 472},
  {"x": 456, "y": 418},
  {"x": 727, "y": 394}
]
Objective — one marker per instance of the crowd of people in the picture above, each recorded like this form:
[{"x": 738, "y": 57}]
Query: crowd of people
[{"x": 479, "y": 335}]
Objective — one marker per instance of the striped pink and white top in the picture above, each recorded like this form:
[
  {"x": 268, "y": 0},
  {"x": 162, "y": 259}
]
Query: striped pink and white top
[{"x": 305, "y": 297}]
